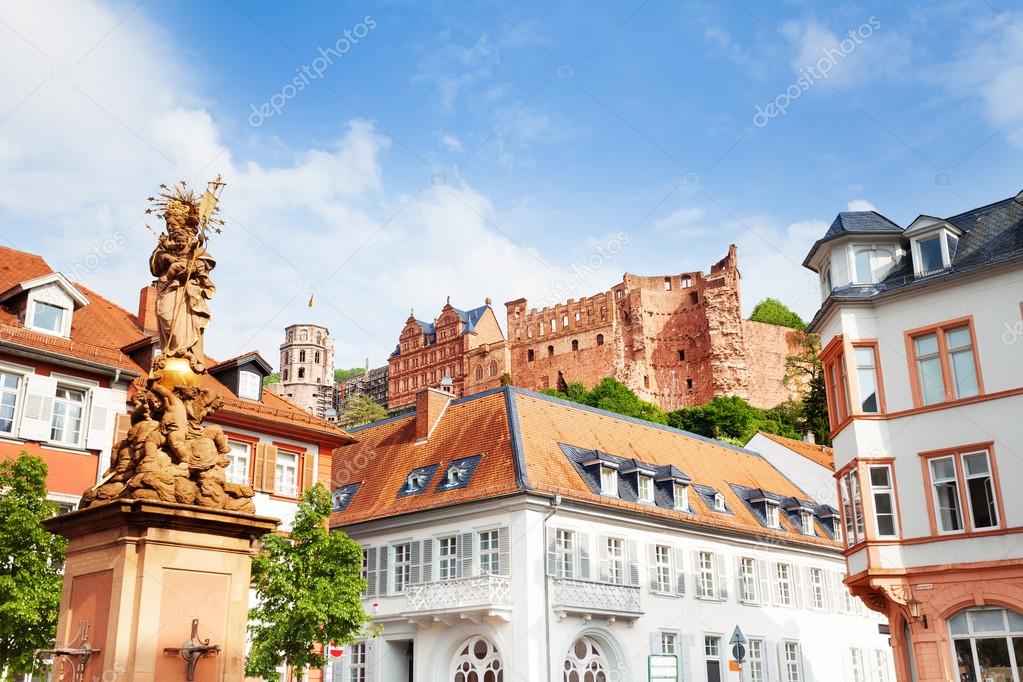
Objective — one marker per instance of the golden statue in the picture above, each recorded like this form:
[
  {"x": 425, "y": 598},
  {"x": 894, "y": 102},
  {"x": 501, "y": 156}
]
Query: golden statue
[{"x": 169, "y": 453}]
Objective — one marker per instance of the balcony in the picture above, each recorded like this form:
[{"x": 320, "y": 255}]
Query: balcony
[
  {"x": 590, "y": 600},
  {"x": 447, "y": 601}
]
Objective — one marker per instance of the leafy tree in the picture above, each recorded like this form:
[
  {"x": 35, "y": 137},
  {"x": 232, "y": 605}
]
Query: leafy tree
[
  {"x": 359, "y": 409},
  {"x": 505, "y": 379},
  {"x": 309, "y": 589},
  {"x": 344, "y": 374},
  {"x": 271, "y": 378},
  {"x": 803, "y": 369},
  {"x": 30, "y": 581},
  {"x": 732, "y": 419},
  {"x": 613, "y": 396},
  {"x": 773, "y": 311}
]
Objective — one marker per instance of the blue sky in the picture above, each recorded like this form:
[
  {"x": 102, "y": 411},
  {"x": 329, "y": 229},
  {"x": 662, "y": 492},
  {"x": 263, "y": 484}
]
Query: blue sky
[{"x": 499, "y": 149}]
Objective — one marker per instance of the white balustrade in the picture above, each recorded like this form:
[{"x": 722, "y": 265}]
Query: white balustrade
[{"x": 460, "y": 593}]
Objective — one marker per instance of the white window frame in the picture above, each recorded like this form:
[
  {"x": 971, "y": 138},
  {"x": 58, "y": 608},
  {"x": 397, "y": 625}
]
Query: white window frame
[
  {"x": 358, "y": 663},
  {"x": 670, "y": 643},
  {"x": 645, "y": 488},
  {"x": 83, "y": 418},
  {"x": 233, "y": 458},
  {"x": 806, "y": 521},
  {"x": 664, "y": 568},
  {"x": 608, "y": 481},
  {"x": 565, "y": 549},
  {"x": 712, "y": 644},
  {"x": 281, "y": 468},
  {"x": 447, "y": 557},
  {"x": 748, "y": 580},
  {"x": 18, "y": 373},
  {"x": 989, "y": 475},
  {"x": 719, "y": 503},
  {"x": 884, "y": 491},
  {"x": 792, "y": 665},
  {"x": 856, "y": 665},
  {"x": 706, "y": 574},
  {"x": 400, "y": 566},
  {"x": 773, "y": 515},
  {"x": 757, "y": 657},
  {"x": 957, "y": 497},
  {"x": 489, "y": 551},
  {"x": 617, "y": 563},
  {"x": 818, "y": 600},
  {"x": 250, "y": 392},
  {"x": 680, "y": 495},
  {"x": 783, "y": 583},
  {"x": 862, "y": 368},
  {"x": 942, "y": 237}
]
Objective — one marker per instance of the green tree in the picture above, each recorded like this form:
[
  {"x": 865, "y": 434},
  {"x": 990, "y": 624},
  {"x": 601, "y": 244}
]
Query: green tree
[
  {"x": 359, "y": 409},
  {"x": 803, "y": 369},
  {"x": 309, "y": 589},
  {"x": 732, "y": 419},
  {"x": 344, "y": 374},
  {"x": 613, "y": 396},
  {"x": 773, "y": 311},
  {"x": 30, "y": 581},
  {"x": 271, "y": 378}
]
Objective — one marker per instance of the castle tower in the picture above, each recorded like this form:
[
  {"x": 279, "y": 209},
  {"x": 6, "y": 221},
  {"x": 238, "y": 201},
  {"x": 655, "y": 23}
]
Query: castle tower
[{"x": 307, "y": 368}]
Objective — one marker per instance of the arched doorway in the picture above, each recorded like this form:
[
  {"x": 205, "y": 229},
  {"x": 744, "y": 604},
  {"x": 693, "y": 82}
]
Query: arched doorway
[
  {"x": 987, "y": 644},
  {"x": 477, "y": 660},
  {"x": 586, "y": 662}
]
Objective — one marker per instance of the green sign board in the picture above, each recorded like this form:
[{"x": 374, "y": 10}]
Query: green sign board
[{"x": 663, "y": 667}]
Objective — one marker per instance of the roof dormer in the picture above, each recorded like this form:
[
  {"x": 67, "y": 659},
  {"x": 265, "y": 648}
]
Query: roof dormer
[
  {"x": 933, "y": 243},
  {"x": 46, "y": 304},
  {"x": 859, "y": 249},
  {"x": 243, "y": 375}
]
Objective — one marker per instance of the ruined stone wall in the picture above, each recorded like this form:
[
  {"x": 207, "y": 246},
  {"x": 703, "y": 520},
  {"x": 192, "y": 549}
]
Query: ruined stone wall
[{"x": 767, "y": 348}]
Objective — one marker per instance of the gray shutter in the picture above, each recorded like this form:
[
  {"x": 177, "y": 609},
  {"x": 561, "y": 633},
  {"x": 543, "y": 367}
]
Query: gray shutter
[
  {"x": 552, "y": 553},
  {"x": 37, "y": 412},
  {"x": 371, "y": 663},
  {"x": 651, "y": 558},
  {"x": 383, "y": 579},
  {"x": 465, "y": 554},
  {"x": 721, "y": 566},
  {"x": 655, "y": 641},
  {"x": 764, "y": 575},
  {"x": 602, "y": 557},
  {"x": 686, "y": 644},
  {"x": 428, "y": 560},
  {"x": 100, "y": 432},
  {"x": 583, "y": 545},
  {"x": 739, "y": 594},
  {"x": 633, "y": 562},
  {"x": 697, "y": 587},
  {"x": 414, "y": 557},
  {"x": 371, "y": 571},
  {"x": 504, "y": 549},
  {"x": 680, "y": 570}
]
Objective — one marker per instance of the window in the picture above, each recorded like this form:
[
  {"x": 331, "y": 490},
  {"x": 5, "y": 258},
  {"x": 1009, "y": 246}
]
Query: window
[
  {"x": 447, "y": 557},
  {"x": 806, "y": 522},
  {"x": 689, "y": 384},
  {"x": 478, "y": 659},
  {"x": 852, "y": 508},
  {"x": 530, "y": 355},
  {"x": 284, "y": 374},
  {"x": 881, "y": 666},
  {"x": 600, "y": 339},
  {"x": 783, "y": 584},
  {"x": 554, "y": 326},
  {"x": 402, "y": 571},
  {"x": 980, "y": 490},
  {"x": 479, "y": 372},
  {"x": 608, "y": 481},
  {"x": 357, "y": 666},
  {"x": 988, "y": 644},
  {"x": 771, "y": 513},
  {"x": 493, "y": 369},
  {"x": 667, "y": 283},
  {"x": 747, "y": 579},
  {"x": 316, "y": 356},
  {"x": 866, "y": 376},
  {"x": 575, "y": 344},
  {"x": 616, "y": 561},
  {"x": 884, "y": 501},
  {"x": 681, "y": 356},
  {"x": 489, "y": 553},
  {"x": 712, "y": 652},
  {"x": 586, "y": 661},
  {"x": 687, "y": 282},
  {"x": 872, "y": 264},
  {"x": 303, "y": 335},
  {"x": 646, "y": 488},
  {"x": 301, "y": 372},
  {"x": 301, "y": 356},
  {"x": 662, "y": 569},
  {"x": 550, "y": 351},
  {"x": 755, "y": 656},
  {"x": 415, "y": 482},
  {"x": 792, "y": 663},
  {"x": 9, "y": 385},
  {"x": 564, "y": 553},
  {"x": 669, "y": 644},
  {"x": 48, "y": 317},
  {"x": 694, "y": 298},
  {"x": 855, "y": 665},
  {"x": 286, "y": 474},
  {"x": 817, "y": 599},
  {"x": 68, "y": 407},
  {"x": 946, "y": 494},
  {"x": 951, "y": 378},
  {"x": 680, "y": 496},
  {"x": 707, "y": 579},
  {"x": 238, "y": 462},
  {"x": 931, "y": 259},
  {"x": 719, "y": 502},
  {"x": 248, "y": 385}
]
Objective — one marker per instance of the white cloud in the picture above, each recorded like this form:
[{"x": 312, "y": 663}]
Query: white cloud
[
  {"x": 861, "y": 205},
  {"x": 855, "y": 55},
  {"x": 684, "y": 218},
  {"x": 451, "y": 143}
]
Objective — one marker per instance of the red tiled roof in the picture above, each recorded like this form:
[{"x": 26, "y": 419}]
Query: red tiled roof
[
  {"x": 387, "y": 452},
  {"x": 819, "y": 454}
]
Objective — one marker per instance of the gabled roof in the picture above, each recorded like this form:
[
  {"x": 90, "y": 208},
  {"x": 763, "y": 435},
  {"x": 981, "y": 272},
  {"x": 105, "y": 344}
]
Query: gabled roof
[
  {"x": 818, "y": 454},
  {"x": 252, "y": 356},
  {"x": 471, "y": 317},
  {"x": 854, "y": 223},
  {"x": 52, "y": 278},
  {"x": 531, "y": 442}
]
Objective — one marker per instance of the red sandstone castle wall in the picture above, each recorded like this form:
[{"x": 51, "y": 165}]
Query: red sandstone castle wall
[{"x": 768, "y": 347}]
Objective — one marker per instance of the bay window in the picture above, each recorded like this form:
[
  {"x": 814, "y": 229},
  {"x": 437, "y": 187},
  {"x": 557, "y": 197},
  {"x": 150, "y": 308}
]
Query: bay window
[
  {"x": 980, "y": 490},
  {"x": 883, "y": 491},
  {"x": 945, "y": 486},
  {"x": 964, "y": 496},
  {"x": 867, "y": 379},
  {"x": 852, "y": 508}
]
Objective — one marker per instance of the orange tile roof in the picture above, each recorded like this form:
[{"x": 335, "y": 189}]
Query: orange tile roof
[
  {"x": 534, "y": 428},
  {"x": 819, "y": 454}
]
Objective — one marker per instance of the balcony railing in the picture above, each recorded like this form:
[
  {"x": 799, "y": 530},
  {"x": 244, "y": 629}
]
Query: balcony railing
[
  {"x": 588, "y": 599},
  {"x": 472, "y": 597}
]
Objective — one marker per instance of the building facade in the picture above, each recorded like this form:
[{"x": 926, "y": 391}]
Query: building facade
[
  {"x": 372, "y": 384},
  {"x": 467, "y": 346},
  {"x": 307, "y": 369},
  {"x": 515, "y": 536},
  {"x": 809, "y": 465},
  {"x": 677, "y": 341},
  {"x": 920, "y": 329}
]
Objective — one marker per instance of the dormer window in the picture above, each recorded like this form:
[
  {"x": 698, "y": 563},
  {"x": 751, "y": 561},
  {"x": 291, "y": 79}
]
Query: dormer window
[
  {"x": 339, "y": 499},
  {"x": 415, "y": 482},
  {"x": 872, "y": 263},
  {"x": 608, "y": 481},
  {"x": 48, "y": 317},
  {"x": 806, "y": 522},
  {"x": 933, "y": 243},
  {"x": 249, "y": 385},
  {"x": 455, "y": 476},
  {"x": 772, "y": 516},
  {"x": 680, "y": 496},
  {"x": 719, "y": 502},
  {"x": 645, "y": 488}
]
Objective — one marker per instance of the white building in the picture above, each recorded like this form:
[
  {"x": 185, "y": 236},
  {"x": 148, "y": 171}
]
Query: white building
[
  {"x": 921, "y": 329},
  {"x": 809, "y": 465},
  {"x": 509, "y": 536}
]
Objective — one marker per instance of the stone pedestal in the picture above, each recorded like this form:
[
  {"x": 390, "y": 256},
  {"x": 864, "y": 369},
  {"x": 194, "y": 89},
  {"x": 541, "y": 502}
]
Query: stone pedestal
[{"x": 140, "y": 571}]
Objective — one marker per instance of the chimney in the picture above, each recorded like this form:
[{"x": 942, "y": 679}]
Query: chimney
[
  {"x": 147, "y": 309},
  {"x": 808, "y": 437},
  {"x": 430, "y": 405}
]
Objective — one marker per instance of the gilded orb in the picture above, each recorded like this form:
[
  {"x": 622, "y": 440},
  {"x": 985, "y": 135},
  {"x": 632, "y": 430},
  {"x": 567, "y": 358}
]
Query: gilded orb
[{"x": 178, "y": 372}]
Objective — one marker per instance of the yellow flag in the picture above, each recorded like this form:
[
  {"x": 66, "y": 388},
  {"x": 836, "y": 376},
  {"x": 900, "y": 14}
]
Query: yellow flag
[{"x": 310, "y": 304}]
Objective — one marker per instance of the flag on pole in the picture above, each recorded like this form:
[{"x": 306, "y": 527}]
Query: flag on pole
[{"x": 310, "y": 304}]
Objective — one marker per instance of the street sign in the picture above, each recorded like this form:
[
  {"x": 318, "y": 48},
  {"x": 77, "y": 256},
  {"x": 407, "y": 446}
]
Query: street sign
[
  {"x": 663, "y": 668},
  {"x": 737, "y": 637},
  {"x": 738, "y": 643},
  {"x": 335, "y": 651}
]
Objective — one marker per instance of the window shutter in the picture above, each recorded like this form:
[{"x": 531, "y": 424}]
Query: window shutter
[
  {"x": 383, "y": 578},
  {"x": 552, "y": 553},
  {"x": 371, "y": 666},
  {"x": 739, "y": 592},
  {"x": 504, "y": 549},
  {"x": 414, "y": 557},
  {"x": 308, "y": 470},
  {"x": 651, "y": 565},
  {"x": 798, "y": 598},
  {"x": 122, "y": 422},
  {"x": 680, "y": 571},
  {"x": 655, "y": 640},
  {"x": 269, "y": 467},
  {"x": 371, "y": 571},
  {"x": 633, "y": 562},
  {"x": 37, "y": 415},
  {"x": 100, "y": 430},
  {"x": 764, "y": 574},
  {"x": 722, "y": 570},
  {"x": 428, "y": 560},
  {"x": 258, "y": 463},
  {"x": 686, "y": 646},
  {"x": 465, "y": 552},
  {"x": 602, "y": 550},
  {"x": 583, "y": 548},
  {"x": 697, "y": 576},
  {"x": 782, "y": 668}
]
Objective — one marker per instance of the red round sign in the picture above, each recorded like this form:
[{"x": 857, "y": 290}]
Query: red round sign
[{"x": 335, "y": 650}]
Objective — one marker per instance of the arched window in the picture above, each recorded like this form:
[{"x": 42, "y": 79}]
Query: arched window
[
  {"x": 319, "y": 337},
  {"x": 477, "y": 661},
  {"x": 493, "y": 368},
  {"x": 479, "y": 372},
  {"x": 285, "y": 375},
  {"x": 316, "y": 358},
  {"x": 600, "y": 339},
  {"x": 301, "y": 372},
  {"x": 550, "y": 351},
  {"x": 575, "y": 344},
  {"x": 984, "y": 641},
  {"x": 530, "y": 355},
  {"x": 586, "y": 662},
  {"x": 301, "y": 356},
  {"x": 303, "y": 336}
]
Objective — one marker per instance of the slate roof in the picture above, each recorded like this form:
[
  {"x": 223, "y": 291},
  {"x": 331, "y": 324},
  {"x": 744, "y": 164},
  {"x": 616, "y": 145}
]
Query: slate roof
[
  {"x": 528, "y": 441},
  {"x": 854, "y": 222}
]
